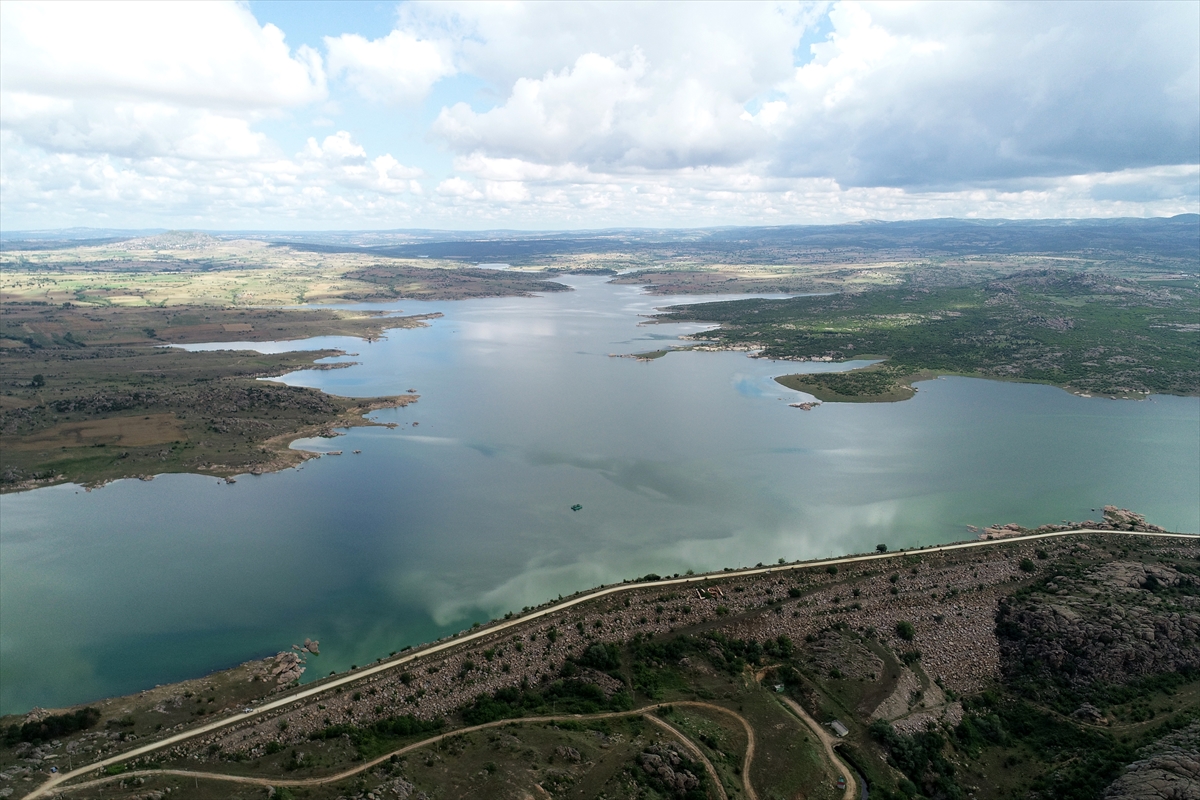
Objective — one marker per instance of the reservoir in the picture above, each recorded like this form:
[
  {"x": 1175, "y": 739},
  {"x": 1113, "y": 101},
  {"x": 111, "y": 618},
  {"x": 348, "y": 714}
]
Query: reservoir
[{"x": 463, "y": 511}]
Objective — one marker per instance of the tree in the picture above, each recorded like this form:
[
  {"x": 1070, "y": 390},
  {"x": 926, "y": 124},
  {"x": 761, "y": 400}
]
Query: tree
[
  {"x": 881, "y": 548},
  {"x": 905, "y": 630},
  {"x": 38, "y": 381}
]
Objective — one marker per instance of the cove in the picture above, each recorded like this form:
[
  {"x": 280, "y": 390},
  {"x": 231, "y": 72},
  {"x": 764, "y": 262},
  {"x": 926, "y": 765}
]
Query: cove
[{"x": 692, "y": 461}]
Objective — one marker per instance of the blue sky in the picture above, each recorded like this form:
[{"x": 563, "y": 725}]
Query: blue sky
[{"x": 572, "y": 115}]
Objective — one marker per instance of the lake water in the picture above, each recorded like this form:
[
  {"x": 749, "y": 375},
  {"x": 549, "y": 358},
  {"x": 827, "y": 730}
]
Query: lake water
[{"x": 692, "y": 461}]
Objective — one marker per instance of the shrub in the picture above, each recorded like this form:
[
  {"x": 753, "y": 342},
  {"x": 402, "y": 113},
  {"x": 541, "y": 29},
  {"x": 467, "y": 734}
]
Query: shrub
[
  {"x": 52, "y": 727},
  {"x": 1027, "y": 565},
  {"x": 604, "y": 657},
  {"x": 905, "y": 630},
  {"x": 881, "y": 548}
]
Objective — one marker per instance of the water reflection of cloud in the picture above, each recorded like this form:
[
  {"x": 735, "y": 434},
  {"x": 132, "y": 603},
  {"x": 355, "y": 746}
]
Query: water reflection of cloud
[
  {"x": 806, "y": 533},
  {"x": 437, "y": 440},
  {"x": 687, "y": 483},
  {"x": 508, "y": 331}
]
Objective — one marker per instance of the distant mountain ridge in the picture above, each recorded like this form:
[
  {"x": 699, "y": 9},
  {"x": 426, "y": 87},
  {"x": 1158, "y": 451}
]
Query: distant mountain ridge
[{"x": 1173, "y": 238}]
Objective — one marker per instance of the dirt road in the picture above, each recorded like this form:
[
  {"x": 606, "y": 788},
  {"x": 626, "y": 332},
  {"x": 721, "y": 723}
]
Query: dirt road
[
  {"x": 349, "y": 773},
  {"x": 828, "y": 742}
]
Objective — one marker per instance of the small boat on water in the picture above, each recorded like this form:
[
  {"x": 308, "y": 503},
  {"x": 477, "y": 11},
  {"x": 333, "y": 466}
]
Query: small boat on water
[{"x": 576, "y": 507}]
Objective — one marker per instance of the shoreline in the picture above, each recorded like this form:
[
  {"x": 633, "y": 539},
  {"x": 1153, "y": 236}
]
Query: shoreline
[
  {"x": 292, "y": 713},
  {"x": 550, "y": 607},
  {"x": 216, "y": 401}
]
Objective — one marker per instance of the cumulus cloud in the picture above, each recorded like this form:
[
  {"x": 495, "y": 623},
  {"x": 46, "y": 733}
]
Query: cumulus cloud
[
  {"x": 331, "y": 180},
  {"x": 593, "y": 114},
  {"x": 341, "y": 159},
  {"x": 398, "y": 68},
  {"x": 897, "y": 95},
  {"x": 918, "y": 95},
  {"x": 145, "y": 80},
  {"x": 735, "y": 48},
  {"x": 199, "y": 54},
  {"x": 642, "y": 86}
]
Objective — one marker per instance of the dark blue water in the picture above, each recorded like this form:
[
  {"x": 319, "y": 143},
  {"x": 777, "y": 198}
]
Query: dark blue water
[{"x": 692, "y": 461}]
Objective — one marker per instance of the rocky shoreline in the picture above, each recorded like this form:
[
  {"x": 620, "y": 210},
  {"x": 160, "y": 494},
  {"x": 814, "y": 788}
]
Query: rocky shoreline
[{"x": 1115, "y": 519}]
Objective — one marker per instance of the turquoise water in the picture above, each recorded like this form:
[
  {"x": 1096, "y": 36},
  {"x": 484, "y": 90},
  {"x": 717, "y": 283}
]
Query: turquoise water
[{"x": 692, "y": 461}]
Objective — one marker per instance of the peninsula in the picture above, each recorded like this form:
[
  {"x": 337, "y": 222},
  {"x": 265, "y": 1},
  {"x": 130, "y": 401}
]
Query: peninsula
[{"x": 93, "y": 391}]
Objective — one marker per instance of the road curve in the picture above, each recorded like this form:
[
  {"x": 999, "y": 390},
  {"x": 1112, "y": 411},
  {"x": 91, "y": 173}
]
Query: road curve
[
  {"x": 828, "y": 742},
  {"x": 489, "y": 630},
  {"x": 696, "y": 751},
  {"x": 349, "y": 773}
]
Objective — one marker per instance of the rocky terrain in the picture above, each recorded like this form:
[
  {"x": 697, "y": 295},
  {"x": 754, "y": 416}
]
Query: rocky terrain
[
  {"x": 1169, "y": 769},
  {"x": 1109, "y": 624}
]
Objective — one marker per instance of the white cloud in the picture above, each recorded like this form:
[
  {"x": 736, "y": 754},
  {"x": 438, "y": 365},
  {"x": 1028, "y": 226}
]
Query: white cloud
[
  {"x": 198, "y": 54},
  {"x": 557, "y": 118},
  {"x": 342, "y": 160},
  {"x": 736, "y": 48},
  {"x": 921, "y": 94},
  {"x": 912, "y": 94},
  {"x": 398, "y": 69},
  {"x": 585, "y": 114},
  {"x": 460, "y": 189},
  {"x": 639, "y": 85},
  {"x": 145, "y": 80}
]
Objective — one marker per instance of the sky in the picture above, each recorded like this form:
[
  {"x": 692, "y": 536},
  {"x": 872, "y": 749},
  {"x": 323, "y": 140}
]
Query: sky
[{"x": 372, "y": 115}]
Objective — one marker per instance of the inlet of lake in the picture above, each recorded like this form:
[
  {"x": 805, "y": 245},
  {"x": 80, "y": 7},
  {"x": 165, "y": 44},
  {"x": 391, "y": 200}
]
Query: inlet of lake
[{"x": 464, "y": 510}]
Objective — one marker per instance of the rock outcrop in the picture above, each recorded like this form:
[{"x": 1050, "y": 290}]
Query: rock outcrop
[
  {"x": 666, "y": 766},
  {"x": 1072, "y": 634},
  {"x": 1115, "y": 519},
  {"x": 1168, "y": 770},
  {"x": 288, "y": 667}
]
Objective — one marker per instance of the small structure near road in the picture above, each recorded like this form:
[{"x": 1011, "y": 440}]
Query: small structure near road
[{"x": 838, "y": 728}]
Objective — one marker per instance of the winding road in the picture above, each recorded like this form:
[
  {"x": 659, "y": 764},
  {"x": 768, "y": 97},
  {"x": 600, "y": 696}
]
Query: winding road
[
  {"x": 349, "y": 773},
  {"x": 489, "y": 630}
]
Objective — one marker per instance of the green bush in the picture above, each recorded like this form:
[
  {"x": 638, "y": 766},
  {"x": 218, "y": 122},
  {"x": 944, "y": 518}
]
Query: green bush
[
  {"x": 905, "y": 630},
  {"x": 54, "y": 726}
]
